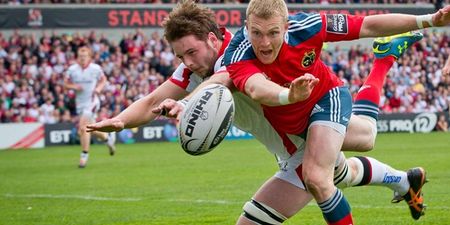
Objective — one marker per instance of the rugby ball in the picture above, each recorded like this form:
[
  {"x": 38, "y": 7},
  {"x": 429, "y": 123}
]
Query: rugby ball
[{"x": 206, "y": 119}]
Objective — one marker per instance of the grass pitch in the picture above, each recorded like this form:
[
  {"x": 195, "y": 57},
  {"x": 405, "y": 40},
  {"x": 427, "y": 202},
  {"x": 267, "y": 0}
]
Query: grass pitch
[{"x": 159, "y": 184}]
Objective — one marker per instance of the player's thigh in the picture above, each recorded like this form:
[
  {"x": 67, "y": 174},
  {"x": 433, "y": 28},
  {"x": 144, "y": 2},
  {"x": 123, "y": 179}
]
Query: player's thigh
[
  {"x": 85, "y": 119},
  {"x": 359, "y": 136},
  {"x": 326, "y": 132},
  {"x": 282, "y": 196},
  {"x": 323, "y": 145}
]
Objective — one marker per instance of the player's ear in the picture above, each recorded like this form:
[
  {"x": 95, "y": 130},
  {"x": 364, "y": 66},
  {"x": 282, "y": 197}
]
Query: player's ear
[
  {"x": 246, "y": 24},
  {"x": 213, "y": 38}
]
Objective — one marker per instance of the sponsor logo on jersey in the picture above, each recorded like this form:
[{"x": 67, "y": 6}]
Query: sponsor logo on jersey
[
  {"x": 337, "y": 23},
  {"x": 391, "y": 179},
  {"x": 309, "y": 58}
]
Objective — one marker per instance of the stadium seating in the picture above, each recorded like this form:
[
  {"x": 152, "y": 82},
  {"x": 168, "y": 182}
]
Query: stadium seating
[{"x": 32, "y": 72}]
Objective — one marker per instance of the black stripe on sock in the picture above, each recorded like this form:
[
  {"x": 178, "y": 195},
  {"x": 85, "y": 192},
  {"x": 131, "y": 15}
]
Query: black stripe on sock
[
  {"x": 254, "y": 219},
  {"x": 262, "y": 208},
  {"x": 367, "y": 175},
  {"x": 341, "y": 176}
]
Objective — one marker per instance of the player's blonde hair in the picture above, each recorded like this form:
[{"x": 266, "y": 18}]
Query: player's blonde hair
[
  {"x": 267, "y": 9},
  {"x": 85, "y": 49},
  {"x": 189, "y": 18}
]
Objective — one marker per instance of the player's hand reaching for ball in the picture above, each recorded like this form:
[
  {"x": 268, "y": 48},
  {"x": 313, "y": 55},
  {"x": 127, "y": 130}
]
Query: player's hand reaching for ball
[
  {"x": 441, "y": 17},
  {"x": 108, "y": 125},
  {"x": 302, "y": 87},
  {"x": 170, "y": 108}
]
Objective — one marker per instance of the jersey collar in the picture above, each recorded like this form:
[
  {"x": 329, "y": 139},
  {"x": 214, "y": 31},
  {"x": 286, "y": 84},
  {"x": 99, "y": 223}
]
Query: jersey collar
[{"x": 227, "y": 35}]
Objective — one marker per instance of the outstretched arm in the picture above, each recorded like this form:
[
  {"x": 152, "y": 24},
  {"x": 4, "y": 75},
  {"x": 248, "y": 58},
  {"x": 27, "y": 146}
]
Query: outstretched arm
[
  {"x": 174, "y": 108},
  {"x": 389, "y": 24},
  {"x": 140, "y": 112},
  {"x": 269, "y": 93}
]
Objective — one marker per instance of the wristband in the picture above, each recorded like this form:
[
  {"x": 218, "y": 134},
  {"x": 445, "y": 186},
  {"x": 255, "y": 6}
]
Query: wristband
[
  {"x": 427, "y": 19},
  {"x": 283, "y": 97}
]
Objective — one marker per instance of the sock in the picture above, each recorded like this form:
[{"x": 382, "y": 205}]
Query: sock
[
  {"x": 343, "y": 174},
  {"x": 368, "y": 97},
  {"x": 84, "y": 155},
  {"x": 378, "y": 173},
  {"x": 336, "y": 210}
]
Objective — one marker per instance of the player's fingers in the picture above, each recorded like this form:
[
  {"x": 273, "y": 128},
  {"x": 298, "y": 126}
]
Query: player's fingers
[
  {"x": 174, "y": 112},
  {"x": 157, "y": 110},
  {"x": 314, "y": 82},
  {"x": 164, "y": 107},
  {"x": 299, "y": 81},
  {"x": 309, "y": 76},
  {"x": 92, "y": 127}
]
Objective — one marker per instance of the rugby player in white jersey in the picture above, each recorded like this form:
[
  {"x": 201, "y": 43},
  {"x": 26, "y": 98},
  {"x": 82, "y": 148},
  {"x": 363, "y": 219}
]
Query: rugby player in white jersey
[
  {"x": 87, "y": 80},
  {"x": 192, "y": 31}
]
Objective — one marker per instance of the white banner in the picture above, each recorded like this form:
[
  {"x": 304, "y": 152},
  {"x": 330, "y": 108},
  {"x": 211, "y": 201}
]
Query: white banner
[{"x": 21, "y": 135}]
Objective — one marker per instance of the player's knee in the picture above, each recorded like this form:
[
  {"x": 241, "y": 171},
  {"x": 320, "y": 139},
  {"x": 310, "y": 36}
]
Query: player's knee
[
  {"x": 370, "y": 134},
  {"x": 315, "y": 182},
  {"x": 367, "y": 145},
  {"x": 82, "y": 130},
  {"x": 260, "y": 213}
]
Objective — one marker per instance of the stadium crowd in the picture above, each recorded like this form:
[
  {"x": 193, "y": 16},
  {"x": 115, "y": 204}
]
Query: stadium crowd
[
  {"x": 32, "y": 72},
  {"x": 20, "y": 2}
]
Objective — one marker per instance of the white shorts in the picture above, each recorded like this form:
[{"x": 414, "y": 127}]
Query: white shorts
[
  {"x": 291, "y": 169},
  {"x": 89, "y": 109}
]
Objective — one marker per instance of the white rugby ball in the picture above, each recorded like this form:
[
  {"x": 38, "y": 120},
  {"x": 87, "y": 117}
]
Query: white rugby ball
[{"x": 206, "y": 119}]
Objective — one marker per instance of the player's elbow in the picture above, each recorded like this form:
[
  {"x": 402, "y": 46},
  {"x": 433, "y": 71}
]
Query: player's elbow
[
  {"x": 255, "y": 94},
  {"x": 223, "y": 79}
]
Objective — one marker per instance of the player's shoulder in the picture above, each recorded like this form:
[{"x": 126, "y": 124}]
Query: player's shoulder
[
  {"x": 239, "y": 48},
  {"x": 181, "y": 72},
  {"x": 95, "y": 66},
  {"x": 303, "y": 26},
  {"x": 73, "y": 67}
]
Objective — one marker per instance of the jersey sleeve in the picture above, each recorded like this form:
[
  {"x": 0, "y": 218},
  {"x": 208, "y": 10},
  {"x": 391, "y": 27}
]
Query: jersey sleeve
[
  {"x": 341, "y": 27},
  {"x": 181, "y": 76},
  {"x": 69, "y": 73},
  {"x": 241, "y": 71},
  {"x": 98, "y": 72}
]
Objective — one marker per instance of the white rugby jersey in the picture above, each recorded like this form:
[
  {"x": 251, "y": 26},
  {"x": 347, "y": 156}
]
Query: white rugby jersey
[
  {"x": 249, "y": 115},
  {"x": 87, "y": 78}
]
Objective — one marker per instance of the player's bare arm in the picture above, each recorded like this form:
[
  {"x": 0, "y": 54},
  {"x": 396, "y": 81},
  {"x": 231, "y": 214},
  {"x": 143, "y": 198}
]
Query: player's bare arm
[
  {"x": 68, "y": 84},
  {"x": 140, "y": 112},
  {"x": 269, "y": 93},
  {"x": 389, "y": 24},
  {"x": 101, "y": 84},
  {"x": 172, "y": 109}
]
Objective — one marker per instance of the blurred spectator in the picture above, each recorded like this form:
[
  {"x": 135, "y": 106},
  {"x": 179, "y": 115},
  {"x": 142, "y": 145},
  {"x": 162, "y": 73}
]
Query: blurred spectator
[
  {"x": 32, "y": 71},
  {"x": 442, "y": 124}
]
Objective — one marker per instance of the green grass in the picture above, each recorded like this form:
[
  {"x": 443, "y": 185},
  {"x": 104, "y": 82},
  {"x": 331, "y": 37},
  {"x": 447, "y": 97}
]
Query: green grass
[{"x": 159, "y": 184}]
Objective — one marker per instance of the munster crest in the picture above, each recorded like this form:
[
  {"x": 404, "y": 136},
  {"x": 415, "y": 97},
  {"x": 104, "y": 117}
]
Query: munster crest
[{"x": 308, "y": 58}]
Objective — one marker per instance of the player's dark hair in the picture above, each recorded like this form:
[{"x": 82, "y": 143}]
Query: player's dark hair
[{"x": 189, "y": 18}]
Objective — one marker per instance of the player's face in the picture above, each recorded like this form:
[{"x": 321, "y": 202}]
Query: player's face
[
  {"x": 199, "y": 56},
  {"x": 266, "y": 36},
  {"x": 83, "y": 58}
]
